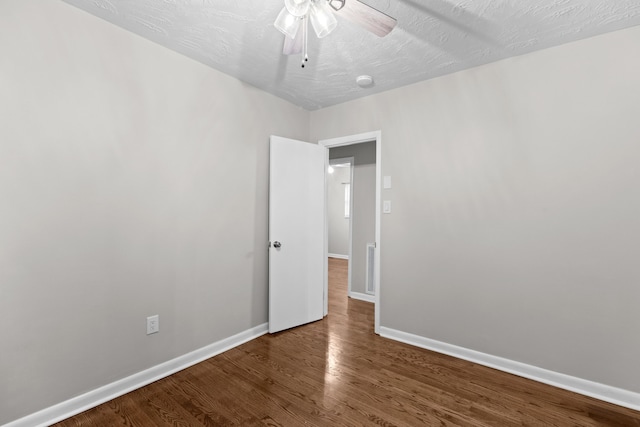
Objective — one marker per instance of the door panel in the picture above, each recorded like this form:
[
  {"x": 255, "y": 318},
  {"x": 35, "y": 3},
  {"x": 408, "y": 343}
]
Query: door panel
[{"x": 296, "y": 222}]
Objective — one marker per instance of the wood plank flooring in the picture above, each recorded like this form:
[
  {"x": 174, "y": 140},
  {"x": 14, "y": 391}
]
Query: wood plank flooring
[{"x": 337, "y": 372}]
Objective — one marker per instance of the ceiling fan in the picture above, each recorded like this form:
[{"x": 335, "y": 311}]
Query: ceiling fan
[{"x": 293, "y": 21}]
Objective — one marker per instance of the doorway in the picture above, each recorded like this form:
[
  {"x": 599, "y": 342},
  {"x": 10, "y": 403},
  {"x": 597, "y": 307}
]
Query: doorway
[
  {"x": 364, "y": 252},
  {"x": 360, "y": 216}
]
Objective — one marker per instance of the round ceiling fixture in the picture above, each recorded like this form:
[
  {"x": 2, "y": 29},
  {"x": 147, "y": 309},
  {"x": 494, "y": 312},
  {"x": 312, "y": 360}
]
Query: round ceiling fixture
[{"x": 364, "y": 81}]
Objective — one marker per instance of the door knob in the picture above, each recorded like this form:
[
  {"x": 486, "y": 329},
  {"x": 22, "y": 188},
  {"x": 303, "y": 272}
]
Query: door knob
[{"x": 277, "y": 244}]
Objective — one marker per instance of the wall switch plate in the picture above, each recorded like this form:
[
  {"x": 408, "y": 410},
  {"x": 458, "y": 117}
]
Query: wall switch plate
[
  {"x": 153, "y": 324},
  {"x": 386, "y": 206},
  {"x": 386, "y": 182}
]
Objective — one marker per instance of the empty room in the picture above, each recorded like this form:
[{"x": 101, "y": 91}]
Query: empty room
[{"x": 164, "y": 228}]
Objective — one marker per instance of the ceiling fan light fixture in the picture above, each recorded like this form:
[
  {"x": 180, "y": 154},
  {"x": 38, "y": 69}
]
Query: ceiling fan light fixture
[
  {"x": 336, "y": 4},
  {"x": 287, "y": 23},
  {"x": 322, "y": 19},
  {"x": 297, "y": 7}
]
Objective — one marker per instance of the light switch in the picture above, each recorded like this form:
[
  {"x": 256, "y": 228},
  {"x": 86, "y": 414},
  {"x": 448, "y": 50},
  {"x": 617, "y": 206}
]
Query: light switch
[
  {"x": 386, "y": 182},
  {"x": 386, "y": 206}
]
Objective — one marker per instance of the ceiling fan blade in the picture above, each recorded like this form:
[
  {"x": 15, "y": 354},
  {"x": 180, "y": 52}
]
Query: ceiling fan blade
[
  {"x": 293, "y": 46},
  {"x": 367, "y": 17}
]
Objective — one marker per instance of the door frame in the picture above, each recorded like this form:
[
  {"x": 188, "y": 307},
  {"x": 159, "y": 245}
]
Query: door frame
[{"x": 340, "y": 142}]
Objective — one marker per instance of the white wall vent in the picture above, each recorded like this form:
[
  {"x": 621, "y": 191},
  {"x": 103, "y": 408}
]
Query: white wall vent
[{"x": 371, "y": 251}]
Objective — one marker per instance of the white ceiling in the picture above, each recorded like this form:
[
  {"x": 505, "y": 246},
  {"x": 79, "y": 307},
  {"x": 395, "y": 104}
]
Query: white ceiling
[{"x": 432, "y": 38}]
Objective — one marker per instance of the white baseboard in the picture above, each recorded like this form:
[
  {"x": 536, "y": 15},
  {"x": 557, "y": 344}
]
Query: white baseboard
[
  {"x": 599, "y": 391},
  {"x": 108, "y": 392},
  {"x": 362, "y": 297},
  {"x": 338, "y": 256}
]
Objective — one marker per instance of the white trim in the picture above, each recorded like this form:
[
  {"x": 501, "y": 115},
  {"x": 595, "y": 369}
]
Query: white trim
[
  {"x": 362, "y": 297},
  {"x": 352, "y": 171},
  {"x": 78, "y": 404},
  {"x": 349, "y": 140},
  {"x": 338, "y": 256},
  {"x": 617, "y": 396},
  {"x": 376, "y": 270}
]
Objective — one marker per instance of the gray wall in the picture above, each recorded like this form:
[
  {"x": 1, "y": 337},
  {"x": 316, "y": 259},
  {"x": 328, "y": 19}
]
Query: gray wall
[
  {"x": 515, "y": 228},
  {"x": 130, "y": 185},
  {"x": 338, "y": 225},
  {"x": 364, "y": 204}
]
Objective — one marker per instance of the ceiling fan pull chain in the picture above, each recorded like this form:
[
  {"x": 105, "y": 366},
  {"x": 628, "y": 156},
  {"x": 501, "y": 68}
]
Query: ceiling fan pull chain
[{"x": 305, "y": 33}]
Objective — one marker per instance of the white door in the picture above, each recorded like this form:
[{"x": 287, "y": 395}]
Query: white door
[{"x": 296, "y": 233}]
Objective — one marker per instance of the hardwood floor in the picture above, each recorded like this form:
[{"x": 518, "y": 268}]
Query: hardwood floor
[{"x": 337, "y": 372}]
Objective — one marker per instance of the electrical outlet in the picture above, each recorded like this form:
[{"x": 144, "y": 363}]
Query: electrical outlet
[{"x": 153, "y": 324}]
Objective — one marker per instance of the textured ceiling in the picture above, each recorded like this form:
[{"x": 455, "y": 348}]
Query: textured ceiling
[{"x": 432, "y": 38}]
